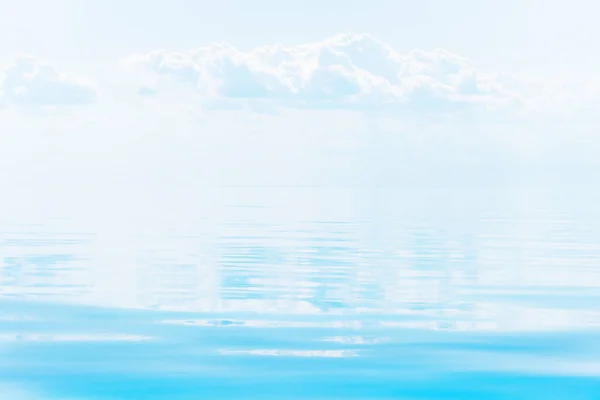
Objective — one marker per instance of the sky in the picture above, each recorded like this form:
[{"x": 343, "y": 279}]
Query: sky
[
  {"x": 553, "y": 38},
  {"x": 264, "y": 92}
]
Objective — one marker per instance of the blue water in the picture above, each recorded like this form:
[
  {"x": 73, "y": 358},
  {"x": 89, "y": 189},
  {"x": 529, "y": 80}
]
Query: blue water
[{"x": 302, "y": 293}]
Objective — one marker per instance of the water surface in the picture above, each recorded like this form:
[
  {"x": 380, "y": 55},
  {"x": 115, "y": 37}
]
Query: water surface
[{"x": 298, "y": 293}]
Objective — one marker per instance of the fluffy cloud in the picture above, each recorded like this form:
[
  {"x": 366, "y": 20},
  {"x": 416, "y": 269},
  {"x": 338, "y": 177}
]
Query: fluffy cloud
[
  {"x": 350, "y": 70},
  {"x": 28, "y": 82}
]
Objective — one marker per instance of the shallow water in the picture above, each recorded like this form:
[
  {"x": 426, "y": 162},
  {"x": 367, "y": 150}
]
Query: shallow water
[{"x": 296, "y": 293}]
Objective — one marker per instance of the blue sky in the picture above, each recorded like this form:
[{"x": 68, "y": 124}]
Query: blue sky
[{"x": 241, "y": 91}]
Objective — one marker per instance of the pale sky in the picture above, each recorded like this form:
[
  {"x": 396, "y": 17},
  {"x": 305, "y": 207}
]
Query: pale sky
[
  {"x": 237, "y": 91},
  {"x": 553, "y": 38}
]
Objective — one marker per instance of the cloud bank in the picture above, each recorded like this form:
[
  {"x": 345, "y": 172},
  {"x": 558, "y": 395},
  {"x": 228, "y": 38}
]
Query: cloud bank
[
  {"x": 28, "y": 82},
  {"x": 345, "y": 71}
]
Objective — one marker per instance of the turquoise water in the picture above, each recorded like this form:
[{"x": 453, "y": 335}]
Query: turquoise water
[{"x": 302, "y": 293}]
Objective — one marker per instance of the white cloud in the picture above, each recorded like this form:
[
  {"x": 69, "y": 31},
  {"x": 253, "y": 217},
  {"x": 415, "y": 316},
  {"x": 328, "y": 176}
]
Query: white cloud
[
  {"x": 349, "y": 70},
  {"x": 28, "y": 82}
]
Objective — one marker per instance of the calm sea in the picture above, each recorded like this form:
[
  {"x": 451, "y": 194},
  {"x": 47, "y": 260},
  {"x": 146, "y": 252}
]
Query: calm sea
[{"x": 302, "y": 293}]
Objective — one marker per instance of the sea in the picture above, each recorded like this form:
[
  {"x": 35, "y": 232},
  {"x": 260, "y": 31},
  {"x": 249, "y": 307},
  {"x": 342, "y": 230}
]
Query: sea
[{"x": 302, "y": 292}]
